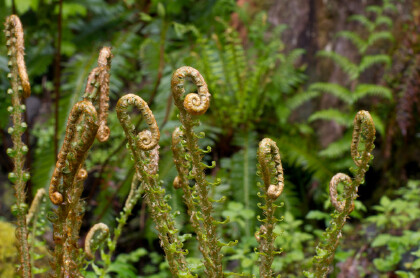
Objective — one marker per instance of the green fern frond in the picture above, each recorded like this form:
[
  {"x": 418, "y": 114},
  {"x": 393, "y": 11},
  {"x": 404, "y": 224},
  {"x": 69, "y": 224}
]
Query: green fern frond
[
  {"x": 378, "y": 10},
  {"x": 332, "y": 115},
  {"x": 381, "y": 35},
  {"x": 354, "y": 39},
  {"x": 337, "y": 148},
  {"x": 293, "y": 56},
  {"x": 345, "y": 64},
  {"x": 363, "y": 90},
  {"x": 390, "y": 7},
  {"x": 302, "y": 154},
  {"x": 384, "y": 20},
  {"x": 334, "y": 89},
  {"x": 370, "y": 26},
  {"x": 371, "y": 60},
  {"x": 379, "y": 124},
  {"x": 298, "y": 99}
]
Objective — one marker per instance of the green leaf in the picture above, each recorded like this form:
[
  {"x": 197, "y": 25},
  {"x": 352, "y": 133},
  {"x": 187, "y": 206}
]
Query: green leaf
[
  {"x": 371, "y": 60},
  {"x": 317, "y": 215},
  {"x": 332, "y": 115},
  {"x": 381, "y": 240},
  {"x": 363, "y": 90},
  {"x": 337, "y": 148},
  {"x": 363, "y": 20},
  {"x": 374, "y": 9},
  {"x": 298, "y": 99},
  {"x": 161, "y": 10},
  {"x": 383, "y": 20},
  {"x": 355, "y": 39},
  {"x": 334, "y": 89},
  {"x": 345, "y": 64},
  {"x": 381, "y": 35},
  {"x": 145, "y": 17}
]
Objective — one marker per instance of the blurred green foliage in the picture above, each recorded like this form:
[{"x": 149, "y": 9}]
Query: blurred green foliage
[{"x": 257, "y": 90}]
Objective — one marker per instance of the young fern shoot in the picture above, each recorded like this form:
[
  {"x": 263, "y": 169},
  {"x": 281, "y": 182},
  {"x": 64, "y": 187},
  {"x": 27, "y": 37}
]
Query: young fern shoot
[
  {"x": 67, "y": 185},
  {"x": 19, "y": 91},
  {"x": 270, "y": 169},
  {"x": 364, "y": 131},
  {"x": 192, "y": 105},
  {"x": 144, "y": 150}
]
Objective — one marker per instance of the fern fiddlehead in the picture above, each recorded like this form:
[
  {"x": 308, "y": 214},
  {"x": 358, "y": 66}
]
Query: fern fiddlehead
[
  {"x": 197, "y": 104},
  {"x": 270, "y": 169},
  {"x": 97, "y": 91},
  {"x": 67, "y": 185},
  {"x": 91, "y": 242},
  {"x": 144, "y": 149},
  {"x": 20, "y": 89},
  {"x": 364, "y": 131}
]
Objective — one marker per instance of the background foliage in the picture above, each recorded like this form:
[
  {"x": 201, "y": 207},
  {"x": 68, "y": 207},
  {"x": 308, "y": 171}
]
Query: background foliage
[{"x": 303, "y": 95}]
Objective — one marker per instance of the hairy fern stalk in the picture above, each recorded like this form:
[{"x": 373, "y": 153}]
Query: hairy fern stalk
[{"x": 88, "y": 120}]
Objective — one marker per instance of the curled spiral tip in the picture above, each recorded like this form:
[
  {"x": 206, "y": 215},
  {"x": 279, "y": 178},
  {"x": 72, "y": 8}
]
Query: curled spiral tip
[
  {"x": 146, "y": 139},
  {"x": 90, "y": 237},
  {"x": 56, "y": 197},
  {"x": 74, "y": 149},
  {"x": 177, "y": 182},
  {"x": 363, "y": 126},
  {"x": 82, "y": 174},
  {"x": 194, "y": 104},
  {"x": 267, "y": 152},
  {"x": 340, "y": 177},
  {"x": 105, "y": 56},
  {"x": 14, "y": 27},
  {"x": 274, "y": 191},
  {"x": 103, "y": 133}
]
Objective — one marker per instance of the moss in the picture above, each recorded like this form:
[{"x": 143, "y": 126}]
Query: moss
[{"x": 8, "y": 251}]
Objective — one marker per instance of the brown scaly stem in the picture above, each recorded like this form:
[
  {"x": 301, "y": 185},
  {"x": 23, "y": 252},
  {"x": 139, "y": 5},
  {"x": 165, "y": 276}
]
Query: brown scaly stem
[
  {"x": 197, "y": 104},
  {"x": 144, "y": 149},
  {"x": 364, "y": 130},
  {"x": 19, "y": 91},
  {"x": 67, "y": 185},
  {"x": 268, "y": 154},
  {"x": 97, "y": 91}
]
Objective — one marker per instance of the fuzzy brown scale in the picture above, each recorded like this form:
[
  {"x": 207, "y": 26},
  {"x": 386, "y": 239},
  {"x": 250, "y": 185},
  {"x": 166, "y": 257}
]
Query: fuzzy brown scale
[{"x": 268, "y": 153}]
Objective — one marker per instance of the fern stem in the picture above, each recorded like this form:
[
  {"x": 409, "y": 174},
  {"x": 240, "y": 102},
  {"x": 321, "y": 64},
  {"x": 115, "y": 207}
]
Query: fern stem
[
  {"x": 268, "y": 154},
  {"x": 364, "y": 130},
  {"x": 20, "y": 89},
  {"x": 197, "y": 104},
  {"x": 144, "y": 149}
]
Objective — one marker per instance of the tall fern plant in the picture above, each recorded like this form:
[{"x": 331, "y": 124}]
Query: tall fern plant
[
  {"x": 246, "y": 75},
  {"x": 376, "y": 25}
]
